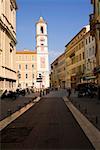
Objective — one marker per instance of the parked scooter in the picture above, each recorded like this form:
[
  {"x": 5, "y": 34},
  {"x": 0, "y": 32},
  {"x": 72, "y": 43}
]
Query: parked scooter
[
  {"x": 20, "y": 92},
  {"x": 8, "y": 94},
  {"x": 87, "y": 92}
]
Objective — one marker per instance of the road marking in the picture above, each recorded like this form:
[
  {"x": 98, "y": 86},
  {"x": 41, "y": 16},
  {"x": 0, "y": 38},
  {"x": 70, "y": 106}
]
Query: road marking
[
  {"x": 89, "y": 129},
  {"x": 15, "y": 115}
]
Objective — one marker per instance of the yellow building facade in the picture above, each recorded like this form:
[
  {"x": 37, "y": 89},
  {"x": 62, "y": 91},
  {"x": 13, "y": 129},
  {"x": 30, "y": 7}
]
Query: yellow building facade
[
  {"x": 77, "y": 63},
  {"x": 58, "y": 72},
  {"x": 8, "y": 44},
  {"x": 26, "y": 68},
  {"x": 75, "y": 59}
]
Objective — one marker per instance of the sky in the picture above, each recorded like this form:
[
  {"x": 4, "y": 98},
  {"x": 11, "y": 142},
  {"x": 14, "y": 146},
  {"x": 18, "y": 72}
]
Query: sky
[{"x": 65, "y": 19}]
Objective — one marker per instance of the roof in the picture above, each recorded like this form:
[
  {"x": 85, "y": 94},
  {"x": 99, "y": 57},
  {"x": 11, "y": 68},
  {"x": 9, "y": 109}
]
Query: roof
[
  {"x": 87, "y": 28},
  {"x": 41, "y": 20},
  {"x": 26, "y": 52},
  {"x": 58, "y": 58}
]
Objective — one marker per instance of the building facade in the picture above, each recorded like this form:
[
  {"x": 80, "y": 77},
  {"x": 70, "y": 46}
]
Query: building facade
[
  {"x": 34, "y": 65},
  {"x": 77, "y": 63},
  {"x": 75, "y": 59},
  {"x": 95, "y": 32},
  {"x": 90, "y": 59},
  {"x": 8, "y": 44},
  {"x": 26, "y": 69},
  {"x": 58, "y": 72}
]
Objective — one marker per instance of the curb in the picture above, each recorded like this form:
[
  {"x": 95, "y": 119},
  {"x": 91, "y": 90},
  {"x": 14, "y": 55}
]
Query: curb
[
  {"x": 89, "y": 129},
  {"x": 9, "y": 119}
]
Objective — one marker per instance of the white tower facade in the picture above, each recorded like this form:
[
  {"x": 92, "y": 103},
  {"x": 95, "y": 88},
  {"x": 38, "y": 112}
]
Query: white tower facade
[{"x": 42, "y": 53}]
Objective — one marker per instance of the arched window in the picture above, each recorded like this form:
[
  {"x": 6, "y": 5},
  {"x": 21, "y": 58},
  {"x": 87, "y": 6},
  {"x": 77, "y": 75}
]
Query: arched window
[{"x": 41, "y": 29}]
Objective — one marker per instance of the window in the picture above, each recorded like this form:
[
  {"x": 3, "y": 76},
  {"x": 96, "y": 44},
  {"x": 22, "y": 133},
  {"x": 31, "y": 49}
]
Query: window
[
  {"x": 80, "y": 57},
  {"x": 79, "y": 46},
  {"x": 19, "y": 57},
  {"x": 89, "y": 39},
  {"x": 89, "y": 51},
  {"x": 32, "y": 66},
  {"x": 32, "y": 57},
  {"x": 86, "y": 41},
  {"x": 19, "y": 76},
  {"x": 26, "y": 75},
  {"x": 19, "y": 67},
  {"x": 93, "y": 52},
  {"x": 82, "y": 43},
  {"x": 83, "y": 55},
  {"x": 92, "y": 38},
  {"x": 76, "y": 58},
  {"x": 41, "y": 29},
  {"x": 26, "y": 66},
  {"x": 10, "y": 50}
]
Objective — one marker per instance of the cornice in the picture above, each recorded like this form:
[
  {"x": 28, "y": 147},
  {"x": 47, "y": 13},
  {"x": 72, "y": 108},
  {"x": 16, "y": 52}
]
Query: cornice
[
  {"x": 14, "y": 3},
  {"x": 41, "y": 35},
  {"x": 6, "y": 29}
]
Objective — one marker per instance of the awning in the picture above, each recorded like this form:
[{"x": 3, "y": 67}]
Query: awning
[{"x": 89, "y": 77}]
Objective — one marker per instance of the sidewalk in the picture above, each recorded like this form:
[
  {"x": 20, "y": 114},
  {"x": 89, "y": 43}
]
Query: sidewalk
[
  {"x": 90, "y": 107},
  {"x": 10, "y": 106}
]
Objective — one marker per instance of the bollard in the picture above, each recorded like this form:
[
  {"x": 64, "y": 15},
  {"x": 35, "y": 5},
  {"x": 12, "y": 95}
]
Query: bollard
[
  {"x": 29, "y": 101},
  {"x": 96, "y": 120},
  {"x": 9, "y": 112},
  {"x": 25, "y": 104},
  {"x": 19, "y": 107}
]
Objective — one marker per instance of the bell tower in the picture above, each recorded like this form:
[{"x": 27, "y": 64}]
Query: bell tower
[{"x": 42, "y": 52}]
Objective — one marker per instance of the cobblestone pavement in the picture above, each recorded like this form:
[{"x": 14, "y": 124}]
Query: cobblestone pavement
[{"x": 47, "y": 125}]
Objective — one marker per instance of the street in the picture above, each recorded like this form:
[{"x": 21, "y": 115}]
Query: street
[{"x": 47, "y": 125}]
